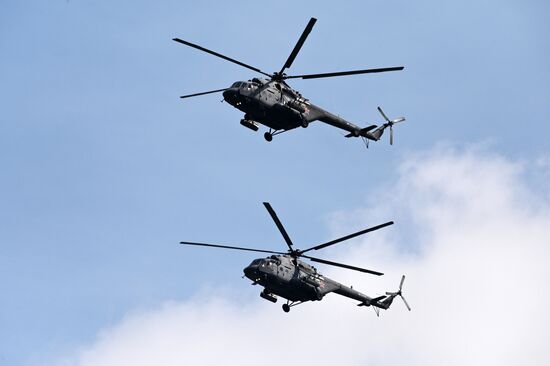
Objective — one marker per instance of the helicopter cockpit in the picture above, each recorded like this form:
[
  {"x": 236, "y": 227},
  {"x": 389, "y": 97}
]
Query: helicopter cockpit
[
  {"x": 261, "y": 265},
  {"x": 265, "y": 262},
  {"x": 247, "y": 85}
]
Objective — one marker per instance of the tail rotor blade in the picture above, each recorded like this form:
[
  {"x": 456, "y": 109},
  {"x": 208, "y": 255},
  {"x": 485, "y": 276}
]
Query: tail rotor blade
[
  {"x": 389, "y": 123},
  {"x": 399, "y": 293},
  {"x": 397, "y": 120},
  {"x": 383, "y": 114},
  {"x": 406, "y": 303}
]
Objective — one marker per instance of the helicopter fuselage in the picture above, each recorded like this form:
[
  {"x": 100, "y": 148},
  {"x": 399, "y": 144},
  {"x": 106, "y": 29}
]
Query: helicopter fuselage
[
  {"x": 297, "y": 281},
  {"x": 271, "y": 102},
  {"x": 285, "y": 275},
  {"x": 281, "y": 108}
]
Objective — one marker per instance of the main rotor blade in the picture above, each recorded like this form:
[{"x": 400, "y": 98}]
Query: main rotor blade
[
  {"x": 299, "y": 45},
  {"x": 335, "y": 241},
  {"x": 203, "y": 93},
  {"x": 343, "y": 73},
  {"x": 219, "y": 55},
  {"x": 279, "y": 225},
  {"x": 230, "y": 247},
  {"x": 343, "y": 265}
]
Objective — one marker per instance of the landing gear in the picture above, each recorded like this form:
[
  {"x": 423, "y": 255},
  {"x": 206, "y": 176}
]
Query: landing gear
[
  {"x": 289, "y": 304},
  {"x": 268, "y": 136},
  {"x": 305, "y": 123}
]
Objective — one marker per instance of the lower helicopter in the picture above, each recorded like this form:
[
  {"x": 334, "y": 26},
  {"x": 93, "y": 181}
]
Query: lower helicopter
[{"x": 285, "y": 275}]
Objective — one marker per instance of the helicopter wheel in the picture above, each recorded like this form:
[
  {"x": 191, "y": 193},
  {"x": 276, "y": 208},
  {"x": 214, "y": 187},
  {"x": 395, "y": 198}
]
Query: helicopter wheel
[
  {"x": 286, "y": 308},
  {"x": 268, "y": 137},
  {"x": 305, "y": 124}
]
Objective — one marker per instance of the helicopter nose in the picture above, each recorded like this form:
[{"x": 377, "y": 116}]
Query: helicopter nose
[
  {"x": 230, "y": 95},
  {"x": 251, "y": 272}
]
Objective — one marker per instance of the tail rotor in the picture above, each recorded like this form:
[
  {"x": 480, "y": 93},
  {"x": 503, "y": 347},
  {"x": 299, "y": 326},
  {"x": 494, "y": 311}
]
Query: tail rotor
[
  {"x": 389, "y": 123},
  {"x": 399, "y": 293}
]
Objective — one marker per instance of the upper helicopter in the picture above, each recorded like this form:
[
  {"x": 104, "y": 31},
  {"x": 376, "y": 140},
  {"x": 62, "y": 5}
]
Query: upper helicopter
[
  {"x": 285, "y": 275},
  {"x": 270, "y": 101}
]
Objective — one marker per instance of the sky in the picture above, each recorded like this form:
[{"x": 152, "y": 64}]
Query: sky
[{"x": 105, "y": 170}]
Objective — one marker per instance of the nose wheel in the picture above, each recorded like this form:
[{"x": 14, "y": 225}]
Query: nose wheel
[
  {"x": 289, "y": 304},
  {"x": 268, "y": 136}
]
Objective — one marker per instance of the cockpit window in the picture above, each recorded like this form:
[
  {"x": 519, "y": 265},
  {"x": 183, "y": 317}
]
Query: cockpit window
[{"x": 236, "y": 84}]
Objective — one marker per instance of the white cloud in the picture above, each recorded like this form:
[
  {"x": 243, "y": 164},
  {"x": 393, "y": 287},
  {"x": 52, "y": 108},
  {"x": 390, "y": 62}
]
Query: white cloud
[{"x": 474, "y": 241}]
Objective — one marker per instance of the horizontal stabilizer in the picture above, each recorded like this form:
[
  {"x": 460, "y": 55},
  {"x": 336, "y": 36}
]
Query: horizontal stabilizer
[
  {"x": 362, "y": 131},
  {"x": 376, "y": 299}
]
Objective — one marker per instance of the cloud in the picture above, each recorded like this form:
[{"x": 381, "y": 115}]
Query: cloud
[{"x": 472, "y": 236}]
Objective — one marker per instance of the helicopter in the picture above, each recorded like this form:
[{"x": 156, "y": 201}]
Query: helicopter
[
  {"x": 285, "y": 275},
  {"x": 270, "y": 101}
]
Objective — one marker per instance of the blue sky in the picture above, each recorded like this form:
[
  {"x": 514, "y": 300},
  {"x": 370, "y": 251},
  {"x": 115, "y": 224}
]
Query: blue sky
[{"x": 105, "y": 169}]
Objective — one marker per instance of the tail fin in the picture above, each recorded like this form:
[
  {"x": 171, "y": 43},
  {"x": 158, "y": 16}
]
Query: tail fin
[{"x": 376, "y": 134}]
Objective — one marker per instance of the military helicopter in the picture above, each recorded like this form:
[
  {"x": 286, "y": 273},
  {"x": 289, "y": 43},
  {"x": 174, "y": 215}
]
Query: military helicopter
[
  {"x": 272, "y": 102},
  {"x": 285, "y": 275}
]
